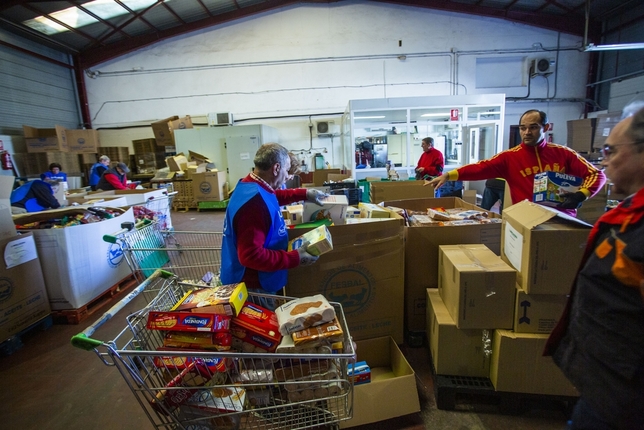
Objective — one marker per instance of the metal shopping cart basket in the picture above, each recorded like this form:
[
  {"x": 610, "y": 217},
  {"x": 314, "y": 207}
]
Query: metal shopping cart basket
[
  {"x": 180, "y": 389},
  {"x": 156, "y": 209},
  {"x": 193, "y": 256}
]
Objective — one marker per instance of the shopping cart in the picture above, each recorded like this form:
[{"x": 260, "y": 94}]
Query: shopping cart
[
  {"x": 193, "y": 256},
  {"x": 157, "y": 209},
  {"x": 180, "y": 389}
]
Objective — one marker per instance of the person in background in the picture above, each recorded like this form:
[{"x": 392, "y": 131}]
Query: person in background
[
  {"x": 599, "y": 340},
  {"x": 54, "y": 174},
  {"x": 535, "y": 154},
  {"x": 115, "y": 179},
  {"x": 97, "y": 170},
  {"x": 33, "y": 196},
  {"x": 431, "y": 162},
  {"x": 493, "y": 192},
  {"x": 254, "y": 235}
]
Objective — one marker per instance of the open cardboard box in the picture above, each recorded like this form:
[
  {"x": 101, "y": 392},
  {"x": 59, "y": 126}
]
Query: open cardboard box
[
  {"x": 421, "y": 251},
  {"x": 364, "y": 272},
  {"x": 392, "y": 391}
]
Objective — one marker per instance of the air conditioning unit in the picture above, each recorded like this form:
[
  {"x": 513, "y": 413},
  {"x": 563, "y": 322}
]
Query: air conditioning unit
[
  {"x": 326, "y": 128},
  {"x": 219, "y": 119},
  {"x": 542, "y": 67}
]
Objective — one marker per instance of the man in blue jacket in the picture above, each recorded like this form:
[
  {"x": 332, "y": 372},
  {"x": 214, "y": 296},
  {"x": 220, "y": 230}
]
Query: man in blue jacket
[{"x": 34, "y": 196}]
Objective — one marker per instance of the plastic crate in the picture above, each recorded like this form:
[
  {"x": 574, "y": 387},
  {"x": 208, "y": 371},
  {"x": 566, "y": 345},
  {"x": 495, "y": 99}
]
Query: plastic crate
[
  {"x": 354, "y": 195},
  {"x": 340, "y": 185}
]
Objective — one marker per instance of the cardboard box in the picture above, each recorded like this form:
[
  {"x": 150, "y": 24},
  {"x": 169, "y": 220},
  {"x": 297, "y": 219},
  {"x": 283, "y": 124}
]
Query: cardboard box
[
  {"x": 364, "y": 272},
  {"x": 605, "y": 123},
  {"x": 164, "y": 130},
  {"x": 454, "y": 351},
  {"x": 24, "y": 297},
  {"x": 421, "y": 251},
  {"x": 581, "y": 133},
  {"x": 549, "y": 186},
  {"x": 86, "y": 141},
  {"x": 321, "y": 176},
  {"x": 518, "y": 366},
  {"x": 477, "y": 286},
  {"x": 537, "y": 313},
  {"x": 352, "y": 212},
  {"x": 392, "y": 391},
  {"x": 77, "y": 264},
  {"x": 7, "y": 227},
  {"x": 209, "y": 186},
  {"x": 45, "y": 139},
  {"x": 382, "y": 191},
  {"x": 334, "y": 208},
  {"x": 544, "y": 245},
  {"x": 177, "y": 163},
  {"x": 371, "y": 210}
]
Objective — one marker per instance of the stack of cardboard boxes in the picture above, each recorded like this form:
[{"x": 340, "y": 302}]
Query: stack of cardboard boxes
[{"x": 491, "y": 316}]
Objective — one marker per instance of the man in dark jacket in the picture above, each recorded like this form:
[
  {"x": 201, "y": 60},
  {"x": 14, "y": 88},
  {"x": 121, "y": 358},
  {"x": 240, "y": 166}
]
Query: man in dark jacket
[
  {"x": 34, "y": 196},
  {"x": 115, "y": 179},
  {"x": 97, "y": 170}
]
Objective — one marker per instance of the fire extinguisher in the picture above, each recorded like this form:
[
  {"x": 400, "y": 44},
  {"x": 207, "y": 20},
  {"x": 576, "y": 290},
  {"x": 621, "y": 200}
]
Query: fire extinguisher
[{"x": 6, "y": 160}]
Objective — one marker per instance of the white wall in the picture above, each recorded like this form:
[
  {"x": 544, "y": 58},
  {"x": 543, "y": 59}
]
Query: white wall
[{"x": 310, "y": 60}]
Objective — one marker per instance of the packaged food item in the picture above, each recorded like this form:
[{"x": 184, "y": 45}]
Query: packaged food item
[
  {"x": 319, "y": 241},
  {"x": 256, "y": 326},
  {"x": 197, "y": 340},
  {"x": 224, "y": 300},
  {"x": 312, "y": 337},
  {"x": 194, "y": 376},
  {"x": 188, "y": 321},
  {"x": 218, "y": 399},
  {"x": 303, "y": 313},
  {"x": 359, "y": 372}
]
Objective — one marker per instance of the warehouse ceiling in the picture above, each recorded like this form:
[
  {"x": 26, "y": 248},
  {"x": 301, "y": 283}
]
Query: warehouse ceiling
[{"x": 95, "y": 31}]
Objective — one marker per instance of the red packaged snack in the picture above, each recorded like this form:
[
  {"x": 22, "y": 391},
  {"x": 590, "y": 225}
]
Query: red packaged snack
[{"x": 188, "y": 321}]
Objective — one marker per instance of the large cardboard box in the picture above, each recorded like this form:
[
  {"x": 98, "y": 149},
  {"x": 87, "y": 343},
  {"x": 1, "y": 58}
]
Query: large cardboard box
[
  {"x": 23, "y": 298},
  {"x": 477, "y": 286},
  {"x": 454, "y": 351},
  {"x": 421, "y": 251},
  {"x": 364, "y": 272},
  {"x": 45, "y": 139},
  {"x": 399, "y": 190},
  {"x": 7, "y": 227},
  {"x": 164, "y": 130},
  {"x": 209, "y": 186},
  {"x": 544, "y": 245},
  {"x": 320, "y": 176},
  {"x": 581, "y": 133},
  {"x": 605, "y": 123},
  {"x": 537, "y": 313},
  {"x": 392, "y": 391},
  {"x": 518, "y": 366},
  {"x": 77, "y": 264},
  {"x": 85, "y": 141}
]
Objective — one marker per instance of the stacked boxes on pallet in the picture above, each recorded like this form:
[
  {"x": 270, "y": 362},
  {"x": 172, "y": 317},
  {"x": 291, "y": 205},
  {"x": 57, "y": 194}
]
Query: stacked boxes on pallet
[
  {"x": 185, "y": 197},
  {"x": 149, "y": 157},
  {"x": 116, "y": 153},
  {"x": 35, "y": 163}
]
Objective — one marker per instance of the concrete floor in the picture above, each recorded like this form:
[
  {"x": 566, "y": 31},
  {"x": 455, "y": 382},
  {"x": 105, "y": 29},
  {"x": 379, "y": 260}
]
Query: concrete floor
[{"x": 50, "y": 385}]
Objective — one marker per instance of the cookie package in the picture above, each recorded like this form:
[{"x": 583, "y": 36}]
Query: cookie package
[{"x": 302, "y": 313}]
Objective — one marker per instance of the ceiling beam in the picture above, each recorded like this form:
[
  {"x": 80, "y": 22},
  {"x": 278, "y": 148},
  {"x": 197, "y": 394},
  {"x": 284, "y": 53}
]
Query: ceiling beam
[{"x": 105, "y": 53}]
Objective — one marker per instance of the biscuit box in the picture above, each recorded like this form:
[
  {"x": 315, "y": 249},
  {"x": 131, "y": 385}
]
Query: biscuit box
[
  {"x": 257, "y": 326},
  {"x": 188, "y": 321},
  {"x": 549, "y": 187},
  {"x": 319, "y": 241},
  {"x": 224, "y": 300}
]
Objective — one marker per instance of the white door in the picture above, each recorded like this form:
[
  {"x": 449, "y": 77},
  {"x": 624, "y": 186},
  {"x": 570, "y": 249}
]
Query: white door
[
  {"x": 479, "y": 142},
  {"x": 240, "y": 152}
]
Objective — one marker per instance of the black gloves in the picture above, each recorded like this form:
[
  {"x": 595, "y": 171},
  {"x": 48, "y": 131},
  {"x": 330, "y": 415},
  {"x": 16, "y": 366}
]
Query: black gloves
[{"x": 572, "y": 200}]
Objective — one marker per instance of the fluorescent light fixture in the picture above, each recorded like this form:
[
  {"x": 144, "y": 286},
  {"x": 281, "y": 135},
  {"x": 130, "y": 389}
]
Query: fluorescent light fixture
[
  {"x": 435, "y": 114},
  {"x": 615, "y": 47},
  {"x": 368, "y": 117},
  {"x": 76, "y": 18}
]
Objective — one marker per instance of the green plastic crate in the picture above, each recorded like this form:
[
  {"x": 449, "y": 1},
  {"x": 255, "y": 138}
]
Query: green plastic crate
[{"x": 213, "y": 205}]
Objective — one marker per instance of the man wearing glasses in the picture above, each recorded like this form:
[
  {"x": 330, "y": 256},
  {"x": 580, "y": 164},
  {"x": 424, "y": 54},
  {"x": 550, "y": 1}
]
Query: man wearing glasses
[
  {"x": 599, "y": 340},
  {"x": 518, "y": 165}
]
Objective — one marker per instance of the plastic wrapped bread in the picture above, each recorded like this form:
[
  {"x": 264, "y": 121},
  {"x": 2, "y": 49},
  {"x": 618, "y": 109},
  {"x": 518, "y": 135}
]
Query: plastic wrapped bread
[{"x": 300, "y": 314}]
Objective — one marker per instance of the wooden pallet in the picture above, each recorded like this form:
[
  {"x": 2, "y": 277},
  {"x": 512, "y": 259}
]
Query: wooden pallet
[
  {"x": 14, "y": 343},
  {"x": 476, "y": 390},
  {"x": 111, "y": 295}
]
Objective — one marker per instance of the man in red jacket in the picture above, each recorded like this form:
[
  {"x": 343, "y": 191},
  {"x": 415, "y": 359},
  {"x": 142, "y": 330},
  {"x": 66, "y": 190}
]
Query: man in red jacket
[
  {"x": 518, "y": 165},
  {"x": 431, "y": 161}
]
